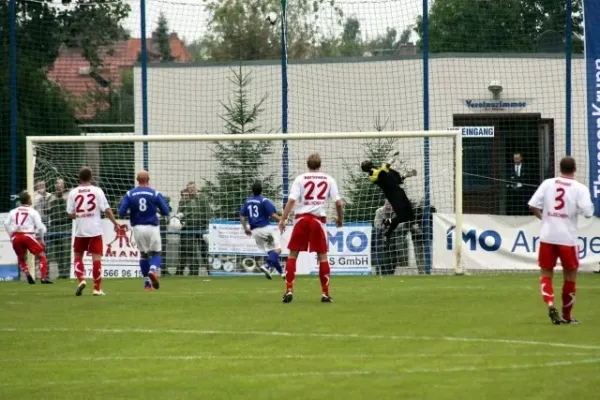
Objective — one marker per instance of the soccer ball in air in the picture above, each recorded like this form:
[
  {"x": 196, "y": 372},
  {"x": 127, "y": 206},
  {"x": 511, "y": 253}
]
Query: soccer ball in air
[{"x": 272, "y": 18}]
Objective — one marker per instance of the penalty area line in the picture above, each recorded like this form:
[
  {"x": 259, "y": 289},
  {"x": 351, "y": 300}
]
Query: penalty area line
[
  {"x": 305, "y": 374},
  {"x": 466, "y": 368},
  {"x": 341, "y": 336},
  {"x": 256, "y": 357}
]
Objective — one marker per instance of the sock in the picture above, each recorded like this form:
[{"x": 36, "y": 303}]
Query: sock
[
  {"x": 79, "y": 269},
  {"x": 568, "y": 298},
  {"x": 144, "y": 266},
  {"x": 273, "y": 261},
  {"x": 155, "y": 261},
  {"x": 97, "y": 273},
  {"x": 43, "y": 267},
  {"x": 547, "y": 290},
  {"x": 290, "y": 274},
  {"x": 23, "y": 266},
  {"x": 324, "y": 276}
]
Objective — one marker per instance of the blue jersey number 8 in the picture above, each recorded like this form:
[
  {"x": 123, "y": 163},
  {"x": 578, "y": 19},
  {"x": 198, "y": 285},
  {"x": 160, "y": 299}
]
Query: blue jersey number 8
[{"x": 142, "y": 205}]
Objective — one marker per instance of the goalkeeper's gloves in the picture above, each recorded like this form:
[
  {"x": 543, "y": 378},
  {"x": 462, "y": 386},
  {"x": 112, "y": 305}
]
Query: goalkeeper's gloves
[
  {"x": 412, "y": 172},
  {"x": 393, "y": 159}
]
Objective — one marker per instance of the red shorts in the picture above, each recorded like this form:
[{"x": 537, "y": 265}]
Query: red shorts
[
  {"x": 549, "y": 253},
  {"x": 92, "y": 245},
  {"x": 308, "y": 234},
  {"x": 22, "y": 243}
]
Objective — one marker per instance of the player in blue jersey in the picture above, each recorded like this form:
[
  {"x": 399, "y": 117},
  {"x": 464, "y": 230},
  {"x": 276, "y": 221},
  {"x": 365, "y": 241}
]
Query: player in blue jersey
[
  {"x": 143, "y": 203},
  {"x": 255, "y": 215}
]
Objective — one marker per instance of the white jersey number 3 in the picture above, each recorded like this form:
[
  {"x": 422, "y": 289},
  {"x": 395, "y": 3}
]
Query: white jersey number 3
[{"x": 559, "y": 199}]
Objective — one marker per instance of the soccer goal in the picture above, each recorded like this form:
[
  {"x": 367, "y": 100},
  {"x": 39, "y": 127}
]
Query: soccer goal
[{"x": 206, "y": 179}]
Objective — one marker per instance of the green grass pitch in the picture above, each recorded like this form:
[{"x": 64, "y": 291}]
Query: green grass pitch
[{"x": 469, "y": 337}]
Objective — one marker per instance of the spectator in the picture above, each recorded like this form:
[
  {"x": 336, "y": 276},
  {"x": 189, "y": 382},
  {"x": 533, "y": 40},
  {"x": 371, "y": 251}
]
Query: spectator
[
  {"x": 194, "y": 213},
  {"x": 41, "y": 200},
  {"x": 190, "y": 192},
  {"x": 388, "y": 257},
  {"x": 59, "y": 229},
  {"x": 163, "y": 221},
  {"x": 519, "y": 188},
  {"x": 419, "y": 236}
]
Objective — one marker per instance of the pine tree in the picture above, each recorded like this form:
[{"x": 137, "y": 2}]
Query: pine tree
[
  {"x": 162, "y": 38},
  {"x": 362, "y": 196},
  {"x": 241, "y": 162}
]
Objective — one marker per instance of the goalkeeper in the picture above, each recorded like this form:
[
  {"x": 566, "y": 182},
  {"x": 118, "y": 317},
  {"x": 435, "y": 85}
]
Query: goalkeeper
[{"x": 390, "y": 181}]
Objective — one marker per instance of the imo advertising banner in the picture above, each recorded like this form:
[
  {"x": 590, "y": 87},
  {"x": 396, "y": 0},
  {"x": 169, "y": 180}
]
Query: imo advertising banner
[
  {"x": 349, "y": 247},
  {"x": 120, "y": 258},
  {"x": 503, "y": 242},
  {"x": 591, "y": 17},
  {"x": 9, "y": 270}
]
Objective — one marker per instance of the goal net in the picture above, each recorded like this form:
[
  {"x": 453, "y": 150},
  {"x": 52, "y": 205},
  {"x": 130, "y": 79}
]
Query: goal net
[{"x": 207, "y": 178}]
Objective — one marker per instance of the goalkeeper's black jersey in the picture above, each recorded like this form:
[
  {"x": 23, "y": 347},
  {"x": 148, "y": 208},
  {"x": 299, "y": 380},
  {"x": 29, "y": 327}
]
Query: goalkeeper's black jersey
[{"x": 388, "y": 179}]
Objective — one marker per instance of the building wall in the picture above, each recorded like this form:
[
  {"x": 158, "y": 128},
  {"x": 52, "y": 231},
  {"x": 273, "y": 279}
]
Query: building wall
[{"x": 348, "y": 97}]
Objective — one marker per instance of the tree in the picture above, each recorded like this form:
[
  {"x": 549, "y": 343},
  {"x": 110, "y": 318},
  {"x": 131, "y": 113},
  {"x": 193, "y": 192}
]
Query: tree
[
  {"x": 363, "y": 197},
  {"x": 240, "y": 162},
  {"x": 92, "y": 25},
  {"x": 120, "y": 102},
  {"x": 162, "y": 38},
  {"x": 497, "y": 26},
  {"x": 388, "y": 43},
  {"x": 43, "y": 108},
  {"x": 348, "y": 45},
  {"x": 196, "y": 50},
  {"x": 237, "y": 30}
]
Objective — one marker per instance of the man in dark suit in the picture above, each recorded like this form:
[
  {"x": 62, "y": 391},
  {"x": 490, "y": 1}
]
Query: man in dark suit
[{"x": 519, "y": 188}]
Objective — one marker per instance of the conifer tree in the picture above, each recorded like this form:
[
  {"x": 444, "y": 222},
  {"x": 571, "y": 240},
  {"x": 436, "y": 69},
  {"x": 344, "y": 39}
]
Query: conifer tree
[{"x": 241, "y": 162}]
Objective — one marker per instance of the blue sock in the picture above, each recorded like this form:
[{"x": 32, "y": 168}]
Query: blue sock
[
  {"x": 144, "y": 266},
  {"x": 273, "y": 261},
  {"x": 155, "y": 262}
]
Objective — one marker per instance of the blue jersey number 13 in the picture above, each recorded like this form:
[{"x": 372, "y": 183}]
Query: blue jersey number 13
[{"x": 253, "y": 211}]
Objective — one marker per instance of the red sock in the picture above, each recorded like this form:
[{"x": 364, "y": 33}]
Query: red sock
[
  {"x": 79, "y": 269},
  {"x": 324, "y": 271},
  {"x": 97, "y": 273},
  {"x": 568, "y": 298},
  {"x": 23, "y": 266},
  {"x": 547, "y": 290},
  {"x": 44, "y": 267},
  {"x": 290, "y": 274}
]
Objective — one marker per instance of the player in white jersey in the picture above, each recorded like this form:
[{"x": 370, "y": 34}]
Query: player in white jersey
[
  {"x": 558, "y": 202},
  {"x": 308, "y": 198},
  {"x": 23, "y": 224},
  {"x": 85, "y": 205}
]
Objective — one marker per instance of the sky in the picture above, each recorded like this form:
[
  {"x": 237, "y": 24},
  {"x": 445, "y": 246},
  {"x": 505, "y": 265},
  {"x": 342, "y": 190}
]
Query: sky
[{"x": 189, "y": 19}]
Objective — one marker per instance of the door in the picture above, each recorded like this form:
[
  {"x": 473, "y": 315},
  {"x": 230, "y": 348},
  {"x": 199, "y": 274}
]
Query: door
[
  {"x": 487, "y": 162},
  {"x": 547, "y": 160}
]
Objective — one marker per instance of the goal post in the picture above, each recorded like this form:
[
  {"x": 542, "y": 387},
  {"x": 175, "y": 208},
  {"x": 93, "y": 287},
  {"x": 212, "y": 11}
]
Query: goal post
[{"x": 222, "y": 168}]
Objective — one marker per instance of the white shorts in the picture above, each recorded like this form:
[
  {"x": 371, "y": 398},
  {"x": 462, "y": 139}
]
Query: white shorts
[
  {"x": 267, "y": 238},
  {"x": 147, "y": 238}
]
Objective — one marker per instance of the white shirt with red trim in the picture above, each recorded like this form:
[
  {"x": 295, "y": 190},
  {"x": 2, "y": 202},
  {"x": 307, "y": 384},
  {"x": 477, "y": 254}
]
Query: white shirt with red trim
[
  {"x": 311, "y": 191},
  {"x": 24, "y": 220},
  {"x": 87, "y": 202},
  {"x": 562, "y": 200}
]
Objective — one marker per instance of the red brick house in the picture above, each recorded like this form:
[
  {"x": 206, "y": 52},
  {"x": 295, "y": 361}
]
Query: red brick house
[{"x": 75, "y": 77}]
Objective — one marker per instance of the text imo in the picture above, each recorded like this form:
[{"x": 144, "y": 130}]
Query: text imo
[
  {"x": 487, "y": 240},
  {"x": 354, "y": 242}
]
